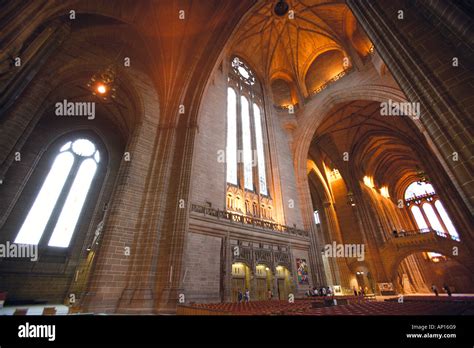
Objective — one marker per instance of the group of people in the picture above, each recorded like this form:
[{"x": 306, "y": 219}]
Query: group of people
[
  {"x": 245, "y": 297},
  {"x": 322, "y": 291},
  {"x": 361, "y": 291},
  {"x": 446, "y": 288}
]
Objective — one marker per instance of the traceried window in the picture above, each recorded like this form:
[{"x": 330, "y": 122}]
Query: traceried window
[
  {"x": 245, "y": 148},
  {"x": 427, "y": 209},
  {"x": 56, "y": 210}
]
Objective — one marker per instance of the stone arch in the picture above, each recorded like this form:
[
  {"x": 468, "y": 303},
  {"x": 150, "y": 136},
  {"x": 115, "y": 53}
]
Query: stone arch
[
  {"x": 284, "y": 76},
  {"x": 325, "y": 66},
  {"x": 317, "y": 110},
  {"x": 312, "y": 58},
  {"x": 393, "y": 256}
]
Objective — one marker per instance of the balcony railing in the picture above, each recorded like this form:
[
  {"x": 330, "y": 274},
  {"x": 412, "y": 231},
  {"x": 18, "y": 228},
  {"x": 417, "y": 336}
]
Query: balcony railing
[
  {"x": 248, "y": 220},
  {"x": 328, "y": 83},
  {"x": 422, "y": 231}
]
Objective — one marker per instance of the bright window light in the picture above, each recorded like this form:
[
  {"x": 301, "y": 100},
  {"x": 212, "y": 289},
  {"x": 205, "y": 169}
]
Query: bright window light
[
  {"x": 231, "y": 149},
  {"x": 316, "y": 217},
  {"x": 417, "y": 189},
  {"x": 247, "y": 144},
  {"x": 432, "y": 218},
  {"x": 260, "y": 153},
  {"x": 447, "y": 221},
  {"x": 83, "y": 147},
  {"x": 77, "y": 158},
  {"x": 74, "y": 202},
  {"x": 39, "y": 214},
  {"x": 420, "y": 220}
]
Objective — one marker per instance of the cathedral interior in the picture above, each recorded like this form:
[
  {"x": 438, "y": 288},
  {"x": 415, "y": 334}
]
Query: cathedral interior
[{"x": 160, "y": 156}]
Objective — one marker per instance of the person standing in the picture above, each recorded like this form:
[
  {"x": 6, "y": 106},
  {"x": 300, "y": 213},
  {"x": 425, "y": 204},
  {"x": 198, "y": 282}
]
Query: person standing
[
  {"x": 447, "y": 289},
  {"x": 239, "y": 296},
  {"x": 435, "y": 289},
  {"x": 270, "y": 294},
  {"x": 247, "y": 295}
]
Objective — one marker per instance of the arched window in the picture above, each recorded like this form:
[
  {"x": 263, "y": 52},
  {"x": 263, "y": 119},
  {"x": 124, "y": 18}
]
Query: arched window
[
  {"x": 245, "y": 149},
  {"x": 418, "y": 189},
  {"x": 56, "y": 210},
  {"x": 432, "y": 213}
]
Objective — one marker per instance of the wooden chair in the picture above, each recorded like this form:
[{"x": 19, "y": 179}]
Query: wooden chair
[
  {"x": 49, "y": 311},
  {"x": 20, "y": 311}
]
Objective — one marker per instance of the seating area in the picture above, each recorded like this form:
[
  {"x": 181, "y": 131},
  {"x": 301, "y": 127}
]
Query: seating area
[
  {"x": 39, "y": 310},
  {"x": 347, "y": 305}
]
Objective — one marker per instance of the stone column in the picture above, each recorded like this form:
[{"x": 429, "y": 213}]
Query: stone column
[{"x": 342, "y": 271}]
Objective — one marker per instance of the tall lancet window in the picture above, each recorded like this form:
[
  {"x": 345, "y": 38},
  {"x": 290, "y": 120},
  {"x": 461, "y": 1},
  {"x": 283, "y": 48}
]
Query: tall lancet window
[
  {"x": 231, "y": 149},
  {"x": 246, "y": 150},
  {"x": 427, "y": 209},
  {"x": 54, "y": 214}
]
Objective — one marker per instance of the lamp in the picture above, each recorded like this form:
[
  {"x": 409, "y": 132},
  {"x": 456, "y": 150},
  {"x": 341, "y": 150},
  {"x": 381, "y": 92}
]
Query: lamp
[
  {"x": 421, "y": 175},
  {"x": 350, "y": 199},
  {"x": 103, "y": 83},
  {"x": 281, "y": 8}
]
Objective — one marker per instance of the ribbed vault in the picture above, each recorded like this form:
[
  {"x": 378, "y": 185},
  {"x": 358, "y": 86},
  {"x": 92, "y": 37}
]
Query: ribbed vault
[
  {"x": 386, "y": 148},
  {"x": 289, "y": 44}
]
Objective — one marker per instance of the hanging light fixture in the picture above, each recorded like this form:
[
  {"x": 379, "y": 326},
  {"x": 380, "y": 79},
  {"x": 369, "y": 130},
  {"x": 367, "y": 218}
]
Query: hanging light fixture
[
  {"x": 421, "y": 175},
  {"x": 103, "y": 84},
  {"x": 281, "y": 8},
  {"x": 350, "y": 199}
]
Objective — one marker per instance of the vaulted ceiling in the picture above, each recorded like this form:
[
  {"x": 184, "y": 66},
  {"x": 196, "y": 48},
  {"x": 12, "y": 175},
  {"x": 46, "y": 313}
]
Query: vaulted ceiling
[
  {"x": 386, "y": 148},
  {"x": 178, "y": 41},
  {"x": 286, "y": 46}
]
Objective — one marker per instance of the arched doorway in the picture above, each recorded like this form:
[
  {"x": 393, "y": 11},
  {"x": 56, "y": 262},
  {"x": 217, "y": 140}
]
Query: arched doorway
[
  {"x": 240, "y": 279},
  {"x": 436, "y": 269},
  {"x": 264, "y": 278},
  {"x": 283, "y": 282}
]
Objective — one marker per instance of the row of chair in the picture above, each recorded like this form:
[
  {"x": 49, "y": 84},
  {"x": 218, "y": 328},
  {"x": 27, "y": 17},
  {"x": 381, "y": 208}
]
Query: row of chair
[{"x": 354, "y": 307}]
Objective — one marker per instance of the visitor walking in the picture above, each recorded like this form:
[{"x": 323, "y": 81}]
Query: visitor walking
[{"x": 247, "y": 295}]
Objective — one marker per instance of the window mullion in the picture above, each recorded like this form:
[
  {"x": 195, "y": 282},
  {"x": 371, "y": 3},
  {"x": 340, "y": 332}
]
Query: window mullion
[
  {"x": 59, "y": 204},
  {"x": 427, "y": 221}
]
